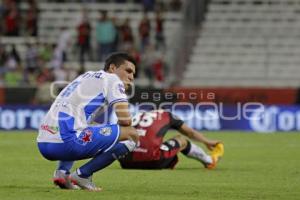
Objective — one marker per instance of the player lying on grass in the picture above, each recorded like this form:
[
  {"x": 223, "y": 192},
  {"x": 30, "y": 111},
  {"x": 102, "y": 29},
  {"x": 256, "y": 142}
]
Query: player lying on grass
[
  {"x": 153, "y": 153},
  {"x": 66, "y": 133}
]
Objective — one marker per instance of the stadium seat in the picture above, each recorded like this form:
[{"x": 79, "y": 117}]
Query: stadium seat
[{"x": 247, "y": 44}]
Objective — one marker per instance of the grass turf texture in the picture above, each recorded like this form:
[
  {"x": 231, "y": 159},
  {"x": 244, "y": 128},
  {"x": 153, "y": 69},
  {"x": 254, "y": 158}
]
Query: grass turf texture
[{"x": 255, "y": 166}]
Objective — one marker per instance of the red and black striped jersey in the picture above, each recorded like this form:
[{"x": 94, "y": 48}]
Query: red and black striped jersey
[{"x": 152, "y": 127}]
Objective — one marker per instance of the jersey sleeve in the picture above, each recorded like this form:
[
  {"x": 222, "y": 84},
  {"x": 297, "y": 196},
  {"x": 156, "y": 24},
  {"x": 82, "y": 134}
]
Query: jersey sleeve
[
  {"x": 116, "y": 90},
  {"x": 175, "y": 122}
]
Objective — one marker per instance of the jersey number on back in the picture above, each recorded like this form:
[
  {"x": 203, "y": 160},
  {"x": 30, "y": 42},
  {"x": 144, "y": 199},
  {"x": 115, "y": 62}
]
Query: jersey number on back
[{"x": 145, "y": 119}]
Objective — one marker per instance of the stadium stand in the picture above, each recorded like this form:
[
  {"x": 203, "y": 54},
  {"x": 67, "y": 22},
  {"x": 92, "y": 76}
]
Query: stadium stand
[
  {"x": 55, "y": 16},
  {"x": 247, "y": 43}
]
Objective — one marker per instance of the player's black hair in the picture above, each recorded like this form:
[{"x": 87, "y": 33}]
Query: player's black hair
[{"x": 118, "y": 59}]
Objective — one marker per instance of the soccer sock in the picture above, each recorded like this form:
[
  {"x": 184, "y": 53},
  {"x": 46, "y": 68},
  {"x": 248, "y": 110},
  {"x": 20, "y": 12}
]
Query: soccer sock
[
  {"x": 196, "y": 152},
  {"x": 65, "y": 166},
  {"x": 102, "y": 160}
]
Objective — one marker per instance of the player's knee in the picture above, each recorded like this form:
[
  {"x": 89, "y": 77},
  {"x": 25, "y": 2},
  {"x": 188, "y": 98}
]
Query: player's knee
[
  {"x": 129, "y": 144},
  {"x": 181, "y": 140},
  {"x": 129, "y": 133}
]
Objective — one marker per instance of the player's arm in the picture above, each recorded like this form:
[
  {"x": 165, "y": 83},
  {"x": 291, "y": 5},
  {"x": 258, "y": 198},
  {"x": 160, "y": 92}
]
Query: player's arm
[
  {"x": 123, "y": 114},
  {"x": 124, "y": 120},
  {"x": 197, "y": 136},
  {"x": 191, "y": 133},
  {"x": 117, "y": 98}
]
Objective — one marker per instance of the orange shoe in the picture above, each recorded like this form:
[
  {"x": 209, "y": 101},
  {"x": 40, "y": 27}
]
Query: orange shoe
[
  {"x": 216, "y": 155},
  {"x": 211, "y": 165}
]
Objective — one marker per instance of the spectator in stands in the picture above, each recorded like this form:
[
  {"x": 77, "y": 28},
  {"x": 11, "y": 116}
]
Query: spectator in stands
[
  {"x": 44, "y": 75},
  {"x": 158, "y": 68},
  {"x": 159, "y": 32},
  {"x": 64, "y": 43},
  {"x": 31, "y": 57},
  {"x": 144, "y": 32},
  {"x": 14, "y": 76},
  {"x": 45, "y": 51},
  {"x": 31, "y": 19},
  {"x": 7, "y": 6},
  {"x": 154, "y": 66},
  {"x": 83, "y": 40},
  {"x": 106, "y": 34},
  {"x": 3, "y": 58},
  {"x": 31, "y": 78},
  {"x": 11, "y": 22},
  {"x": 15, "y": 54},
  {"x": 57, "y": 58},
  {"x": 117, "y": 41},
  {"x": 11, "y": 62},
  {"x": 13, "y": 73},
  {"x": 126, "y": 36}
]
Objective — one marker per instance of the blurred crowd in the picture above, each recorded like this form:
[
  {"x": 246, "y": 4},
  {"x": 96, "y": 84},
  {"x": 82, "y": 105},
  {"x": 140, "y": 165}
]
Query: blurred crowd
[
  {"x": 113, "y": 34},
  {"x": 43, "y": 63},
  {"x": 13, "y": 22}
]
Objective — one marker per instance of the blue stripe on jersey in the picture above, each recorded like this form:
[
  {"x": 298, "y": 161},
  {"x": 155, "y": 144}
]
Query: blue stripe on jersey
[
  {"x": 95, "y": 103},
  {"x": 66, "y": 126}
]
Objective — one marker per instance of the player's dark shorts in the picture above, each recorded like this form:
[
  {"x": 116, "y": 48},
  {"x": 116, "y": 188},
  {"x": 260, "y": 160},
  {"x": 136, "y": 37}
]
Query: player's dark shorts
[{"x": 168, "y": 159}]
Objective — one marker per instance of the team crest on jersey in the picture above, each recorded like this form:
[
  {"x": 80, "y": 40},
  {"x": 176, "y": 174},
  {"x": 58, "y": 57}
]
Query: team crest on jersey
[
  {"x": 85, "y": 137},
  {"x": 106, "y": 131}
]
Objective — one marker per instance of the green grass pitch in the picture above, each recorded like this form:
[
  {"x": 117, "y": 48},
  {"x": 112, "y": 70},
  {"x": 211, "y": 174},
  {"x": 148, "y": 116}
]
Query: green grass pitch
[{"x": 255, "y": 166}]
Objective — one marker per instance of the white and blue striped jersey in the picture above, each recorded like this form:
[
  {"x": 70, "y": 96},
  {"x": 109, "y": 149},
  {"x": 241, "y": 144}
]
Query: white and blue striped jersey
[{"x": 77, "y": 104}]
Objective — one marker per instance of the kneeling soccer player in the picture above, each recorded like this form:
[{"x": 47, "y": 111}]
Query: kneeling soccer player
[{"x": 67, "y": 133}]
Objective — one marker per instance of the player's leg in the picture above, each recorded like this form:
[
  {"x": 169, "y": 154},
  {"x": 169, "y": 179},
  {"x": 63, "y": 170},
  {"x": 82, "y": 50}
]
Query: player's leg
[
  {"x": 59, "y": 151},
  {"x": 119, "y": 150},
  {"x": 126, "y": 142},
  {"x": 61, "y": 175},
  {"x": 168, "y": 156},
  {"x": 193, "y": 151},
  {"x": 65, "y": 166}
]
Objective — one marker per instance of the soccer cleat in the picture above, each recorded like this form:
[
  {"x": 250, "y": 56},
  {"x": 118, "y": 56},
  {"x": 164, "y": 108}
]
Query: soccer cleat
[
  {"x": 63, "y": 180},
  {"x": 84, "y": 183},
  {"x": 216, "y": 155}
]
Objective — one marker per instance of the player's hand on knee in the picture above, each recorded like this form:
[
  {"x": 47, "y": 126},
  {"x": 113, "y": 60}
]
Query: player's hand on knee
[{"x": 129, "y": 133}]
